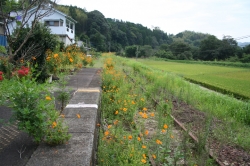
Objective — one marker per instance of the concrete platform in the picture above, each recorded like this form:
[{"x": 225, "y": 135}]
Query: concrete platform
[{"x": 81, "y": 148}]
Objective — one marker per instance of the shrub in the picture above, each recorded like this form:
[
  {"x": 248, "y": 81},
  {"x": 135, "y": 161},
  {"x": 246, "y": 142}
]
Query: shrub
[{"x": 34, "y": 50}]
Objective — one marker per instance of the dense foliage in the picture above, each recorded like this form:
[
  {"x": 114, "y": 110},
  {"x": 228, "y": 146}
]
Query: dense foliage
[{"x": 135, "y": 40}]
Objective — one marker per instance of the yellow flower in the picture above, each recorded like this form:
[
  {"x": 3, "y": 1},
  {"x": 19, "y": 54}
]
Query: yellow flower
[
  {"x": 109, "y": 126},
  {"x": 133, "y": 102},
  {"x": 48, "y": 98},
  {"x": 163, "y": 131},
  {"x": 154, "y": 156},
  {"x": 139, "y": 138},
  {"x": 144, "y": 109},
  {"x": 142, "y": 99},
  {"x": 146, "y": 132},
  {"x": 130, "y": 137},
  {"x": 158, "y": 142},
  {"x": 152, "y": 114},
  {"x": 116, "y": 122},
  {"x": 144, "y": 146},
  {"x": 144, "y": 156},
  {"x": 71, "y": 60},
  {"x": 143, "y": 161},
  {"x": 165, "y": 126},
  {"x": 116, "y": 112},
  {"x": 124, "y": 109}
]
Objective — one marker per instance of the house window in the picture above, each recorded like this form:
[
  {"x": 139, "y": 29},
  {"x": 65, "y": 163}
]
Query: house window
[
  {"x": 61, "y": 22},
  {"x": 52, "y": 23}
]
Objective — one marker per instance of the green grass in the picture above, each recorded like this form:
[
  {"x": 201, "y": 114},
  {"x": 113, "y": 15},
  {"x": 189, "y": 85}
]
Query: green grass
[{"x": 228, "y": 79}]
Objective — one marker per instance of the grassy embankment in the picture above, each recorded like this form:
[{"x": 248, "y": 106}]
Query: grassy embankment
[{"x": 128, "y": 115}]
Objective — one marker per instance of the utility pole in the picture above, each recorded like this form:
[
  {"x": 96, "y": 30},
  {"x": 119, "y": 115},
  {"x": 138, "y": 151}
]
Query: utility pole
[
  {"x": 87, "y": 48},
  {"x": 137, "y": 52},
  {"x": 109, "y": 46}
]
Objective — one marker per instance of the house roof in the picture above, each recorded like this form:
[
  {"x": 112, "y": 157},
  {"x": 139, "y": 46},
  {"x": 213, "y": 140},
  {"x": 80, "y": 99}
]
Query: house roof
[{"x": 54, "y": 10}]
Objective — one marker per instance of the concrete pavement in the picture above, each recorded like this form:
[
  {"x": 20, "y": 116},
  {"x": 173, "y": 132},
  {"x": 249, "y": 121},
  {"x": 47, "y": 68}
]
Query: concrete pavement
[{"x": 81, "y": 148}]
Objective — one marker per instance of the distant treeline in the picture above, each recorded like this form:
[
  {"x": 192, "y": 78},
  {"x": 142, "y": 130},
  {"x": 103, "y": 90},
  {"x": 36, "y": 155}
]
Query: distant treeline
[{"x": 131, "y": 40}]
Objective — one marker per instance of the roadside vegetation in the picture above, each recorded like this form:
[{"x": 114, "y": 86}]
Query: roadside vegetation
[
  {"x": 134, "y": 130},
  {"x": 26, "y": 90}
]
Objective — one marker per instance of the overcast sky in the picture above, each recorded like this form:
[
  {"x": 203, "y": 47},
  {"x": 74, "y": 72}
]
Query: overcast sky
[{"x": 216, "y": 17}]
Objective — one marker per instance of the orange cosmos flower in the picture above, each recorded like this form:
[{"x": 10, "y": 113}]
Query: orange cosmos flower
[
  {"x": 124, "y": 109},
  {"x": 55, "y": 55},
  {"x": 106, "y": 133},
  {"x": 154, "y": 156},
  {"x": 143, "y": 161},
  {"x": 139, "y": 138},
  {"x": 48, "y": 98},
  {"x": 158, "y": 142},
  {"x": 144, "y": 115},
  {"x": 54, "y": 124},
  {"x": 152, "y": 114},
  {"x": 144, "y": 146},
  {"x": 78, "y": 115},
  {"x": 144, "y": 156},
  {"x": 130, "y": 137},
  {"x": 146, "y": 132},
  {"x": 109, "y": 126},
  {"x": 144, "y": 109},
  {"x": 116, "y": 112},
  {"x": 165, "y": 126},
  {"x": 116, "y": 122},
  {"x": 163, "y": 131}
]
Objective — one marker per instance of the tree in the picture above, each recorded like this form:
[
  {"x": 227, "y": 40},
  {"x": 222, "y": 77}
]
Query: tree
[
  {"x": 209, "y": 48},
  {"x": 19, "y": 14},
  {"x": 179, "y": 47},
  {"x": 228, "y": 48}
]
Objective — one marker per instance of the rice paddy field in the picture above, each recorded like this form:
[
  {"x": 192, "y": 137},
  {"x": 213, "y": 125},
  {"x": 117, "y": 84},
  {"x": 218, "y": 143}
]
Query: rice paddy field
[{"x": 231, "y": 80}]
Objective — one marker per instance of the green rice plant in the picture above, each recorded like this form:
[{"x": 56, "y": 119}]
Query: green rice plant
[{"x": 228, "y": 80}]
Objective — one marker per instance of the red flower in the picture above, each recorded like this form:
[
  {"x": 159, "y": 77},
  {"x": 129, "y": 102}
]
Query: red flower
[
  {"x": 1, "y": 73},
  {"x": 1, "y": 77},
  {"x": 23, "y": 71}
]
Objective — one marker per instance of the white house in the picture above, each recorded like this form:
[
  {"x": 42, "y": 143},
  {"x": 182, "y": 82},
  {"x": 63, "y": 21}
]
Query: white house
[{"x": 59, "y": 23}]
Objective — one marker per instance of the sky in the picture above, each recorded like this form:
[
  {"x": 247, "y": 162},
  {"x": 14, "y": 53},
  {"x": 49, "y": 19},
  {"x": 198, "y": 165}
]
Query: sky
[{"x": 215, "y": 17}]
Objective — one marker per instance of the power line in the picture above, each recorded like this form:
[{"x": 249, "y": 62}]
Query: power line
[{"x": 242, "y": 37}]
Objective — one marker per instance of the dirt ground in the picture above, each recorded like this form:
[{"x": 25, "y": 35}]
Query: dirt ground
[{"x": 196, "y": 120}]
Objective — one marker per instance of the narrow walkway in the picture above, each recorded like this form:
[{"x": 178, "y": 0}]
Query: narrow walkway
[{"x": 81, "y": 148}]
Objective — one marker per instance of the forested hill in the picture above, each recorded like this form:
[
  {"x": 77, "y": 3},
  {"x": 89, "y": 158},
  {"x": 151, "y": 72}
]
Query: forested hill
[
  {"x": 126, "y": 38},
  {"x": 106, "y": 33}
]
